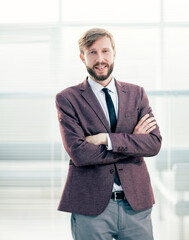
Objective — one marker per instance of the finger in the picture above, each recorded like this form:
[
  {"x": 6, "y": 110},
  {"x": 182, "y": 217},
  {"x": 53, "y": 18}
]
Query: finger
[
  {"x": 89, "y": 139},
  {"x": 148, "y": 121},
  {"x": 151, "y": 129},
  {"x": 143, "y": 119},
  {"x": 149, "y": 125}
]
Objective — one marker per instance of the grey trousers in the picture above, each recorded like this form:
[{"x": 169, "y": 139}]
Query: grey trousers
[{"x": 118, "y": 221}]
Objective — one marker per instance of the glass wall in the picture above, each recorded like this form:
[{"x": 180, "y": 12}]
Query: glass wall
[{"x": 39, "y": 57}]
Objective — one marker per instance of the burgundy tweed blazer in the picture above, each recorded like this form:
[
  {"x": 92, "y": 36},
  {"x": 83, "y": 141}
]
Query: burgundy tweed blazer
[{"x": 90, "y": 177}]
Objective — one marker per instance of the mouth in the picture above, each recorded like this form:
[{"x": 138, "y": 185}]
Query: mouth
[{"x": 101, "y": 68}]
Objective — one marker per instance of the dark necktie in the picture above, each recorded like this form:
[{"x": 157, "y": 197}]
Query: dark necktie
[
  {"x": 111, "y": 109},
  {"x": 113, "y": 121}
]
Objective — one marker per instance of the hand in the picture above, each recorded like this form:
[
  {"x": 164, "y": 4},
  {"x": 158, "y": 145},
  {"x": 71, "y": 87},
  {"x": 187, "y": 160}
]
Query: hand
[
  {"x": 145, "y": 125},
  {"x": 97, "y": 139}
]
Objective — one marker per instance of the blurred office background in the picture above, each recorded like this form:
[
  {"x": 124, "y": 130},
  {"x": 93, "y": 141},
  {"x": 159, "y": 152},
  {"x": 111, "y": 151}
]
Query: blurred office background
[{"x": 39, "y": 57}]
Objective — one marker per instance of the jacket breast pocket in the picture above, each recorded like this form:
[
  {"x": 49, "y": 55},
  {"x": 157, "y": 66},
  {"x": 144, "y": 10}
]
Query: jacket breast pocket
[
  {"x": 131, "y": 114},
  {"x": 131, "y": 120}
]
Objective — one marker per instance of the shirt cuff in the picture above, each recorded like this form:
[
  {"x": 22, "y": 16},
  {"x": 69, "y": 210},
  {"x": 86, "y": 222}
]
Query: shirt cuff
[{"x": 109, "y": 146}]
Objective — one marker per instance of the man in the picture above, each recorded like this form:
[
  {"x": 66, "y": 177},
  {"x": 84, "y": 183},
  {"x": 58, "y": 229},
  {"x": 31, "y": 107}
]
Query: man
[{"x": 107, "y": 127}]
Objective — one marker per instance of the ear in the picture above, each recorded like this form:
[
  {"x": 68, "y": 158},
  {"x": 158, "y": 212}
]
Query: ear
[
  {"x": 82, "y": 58},
  {"x": 114, "y": 54}
]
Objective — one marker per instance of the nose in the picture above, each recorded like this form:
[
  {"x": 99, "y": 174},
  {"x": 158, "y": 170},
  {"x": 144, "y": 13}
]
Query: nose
[{"x": 99, "y": 57}]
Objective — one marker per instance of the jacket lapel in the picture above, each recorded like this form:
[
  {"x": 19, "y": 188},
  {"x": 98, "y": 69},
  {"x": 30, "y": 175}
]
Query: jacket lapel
[
  {"x": 122, "y": 94},
  {"x": 91, "y": 99}
]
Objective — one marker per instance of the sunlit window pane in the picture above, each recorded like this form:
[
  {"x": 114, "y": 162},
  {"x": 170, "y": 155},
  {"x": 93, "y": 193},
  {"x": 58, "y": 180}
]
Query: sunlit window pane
[
  {"x": 176, "y": 10},
  {"x": 26, "y": 114},
  {"x": 176, "y": 59},
  {"x": 24, "y": 11},
  {"x": 25, "y": 67},
  {"x": 137, "y": 58},
  {"x": 122, "y": 11}
]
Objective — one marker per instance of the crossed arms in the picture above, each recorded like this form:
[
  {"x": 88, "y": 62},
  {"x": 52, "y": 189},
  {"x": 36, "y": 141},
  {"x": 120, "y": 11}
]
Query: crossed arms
[
  {"x": 87, "y": 150},
  {"x": 146, "y": 125}
]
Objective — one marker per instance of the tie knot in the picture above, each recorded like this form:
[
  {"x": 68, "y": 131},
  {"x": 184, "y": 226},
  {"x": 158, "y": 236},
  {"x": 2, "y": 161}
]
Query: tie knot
[{"x": 105, "y": 90}]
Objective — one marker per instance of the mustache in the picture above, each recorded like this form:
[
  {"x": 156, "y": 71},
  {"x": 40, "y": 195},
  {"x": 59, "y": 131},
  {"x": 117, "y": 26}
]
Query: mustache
[{"x": 101, "y": 64}]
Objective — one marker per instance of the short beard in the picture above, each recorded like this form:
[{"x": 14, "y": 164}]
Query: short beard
[{"x": 102, "y": 77}]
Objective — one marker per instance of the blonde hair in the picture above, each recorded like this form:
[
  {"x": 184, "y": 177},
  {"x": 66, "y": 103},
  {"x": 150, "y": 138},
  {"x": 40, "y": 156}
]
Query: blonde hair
[{"x": 91, "y": 35}]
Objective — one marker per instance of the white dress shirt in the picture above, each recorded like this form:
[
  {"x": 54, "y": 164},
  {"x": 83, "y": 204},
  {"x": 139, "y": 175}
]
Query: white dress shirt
[{"x": 100, "y": 95}]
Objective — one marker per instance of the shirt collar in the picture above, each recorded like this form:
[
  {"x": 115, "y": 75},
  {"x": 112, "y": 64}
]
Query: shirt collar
[{"x": 96, "y": 87}]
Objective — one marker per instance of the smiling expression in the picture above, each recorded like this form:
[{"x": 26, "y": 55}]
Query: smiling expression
[{"x": 99, "y": 60}]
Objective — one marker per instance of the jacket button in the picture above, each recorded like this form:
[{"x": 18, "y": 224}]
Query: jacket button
[{"x": 111, "y": 170}]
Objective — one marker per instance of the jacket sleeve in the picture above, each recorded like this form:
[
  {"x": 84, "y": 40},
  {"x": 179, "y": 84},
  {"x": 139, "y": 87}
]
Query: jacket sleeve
[
  {"x": 80, "y": 151},
  {"x": 138, "y": 145}
]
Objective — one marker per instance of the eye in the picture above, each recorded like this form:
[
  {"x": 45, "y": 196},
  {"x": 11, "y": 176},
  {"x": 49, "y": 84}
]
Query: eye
[
  {"x": 106, "y": 51},
  {"x": 92, "y": 52}
]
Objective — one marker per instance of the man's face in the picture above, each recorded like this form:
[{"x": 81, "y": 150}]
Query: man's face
[{"x": 99, "y": 59}]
